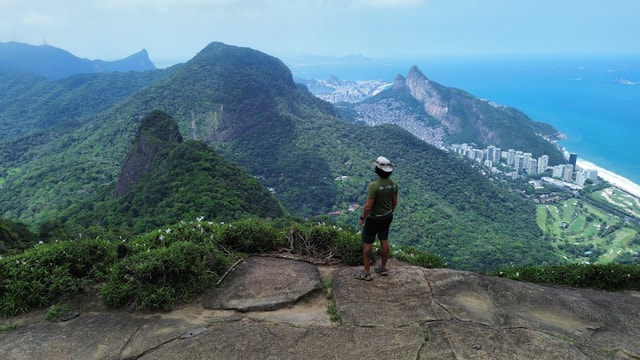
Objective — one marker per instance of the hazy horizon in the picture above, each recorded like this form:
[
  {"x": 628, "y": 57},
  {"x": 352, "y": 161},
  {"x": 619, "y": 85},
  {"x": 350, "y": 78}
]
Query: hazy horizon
[{"x": 173, "y": 31}]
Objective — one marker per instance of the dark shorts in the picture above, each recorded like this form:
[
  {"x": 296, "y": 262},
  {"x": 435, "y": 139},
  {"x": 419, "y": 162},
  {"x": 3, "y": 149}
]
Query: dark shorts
[{"x": 379, "y": 227}]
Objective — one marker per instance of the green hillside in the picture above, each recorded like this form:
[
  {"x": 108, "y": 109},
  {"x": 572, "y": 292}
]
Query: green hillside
[
  {"x": 178, "y": 181},
  {"x": 29, "y": 103},
  {"x": 245, "y": 105}
]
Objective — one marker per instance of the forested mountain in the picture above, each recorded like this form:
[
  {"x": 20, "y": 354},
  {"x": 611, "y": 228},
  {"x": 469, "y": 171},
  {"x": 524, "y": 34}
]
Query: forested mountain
[
  {"x": 55, "y": 63},
  {"x": 442, "y": 115},
  {"x": 246, "y": 106},
  {"x": 164, "y": 180},
  {"x": 15, "y": 236},
  {"x": 29, "y": 103}
]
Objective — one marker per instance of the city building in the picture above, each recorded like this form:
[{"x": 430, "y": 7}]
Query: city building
[
  {"x": 568, "y": 173},
  {"x": 573, "y": 160},
  {"x": 524, "y": 163},
  {"x": 543, "y": 163}
]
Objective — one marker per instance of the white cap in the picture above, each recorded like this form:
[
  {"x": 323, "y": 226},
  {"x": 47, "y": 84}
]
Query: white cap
[{"x": 383, "y": 164}]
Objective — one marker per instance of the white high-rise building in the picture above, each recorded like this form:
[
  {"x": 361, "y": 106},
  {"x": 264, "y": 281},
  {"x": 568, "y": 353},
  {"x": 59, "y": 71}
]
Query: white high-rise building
[
  {"x": 533, "y": 167},
  {"x": 526, "y": 161},
  {"x": 511, "y": 157},
  {"x": 558, "y": 171},
  {"x": 543, "y": 163},
  {"x": 519, "y": 163},
  {"x": 490, "y": 153},
  {"x": 581, "y": 177},
  {"x": 497, "y": 155},
  {"x": 568, "y": 173}
]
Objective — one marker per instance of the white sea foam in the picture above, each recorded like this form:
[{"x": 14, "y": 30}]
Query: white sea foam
[{"x": 612, "y": 178}]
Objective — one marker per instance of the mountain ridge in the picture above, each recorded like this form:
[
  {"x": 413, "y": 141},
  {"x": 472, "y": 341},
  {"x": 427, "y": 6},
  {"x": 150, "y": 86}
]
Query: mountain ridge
[
  {"x": 55, "y": 63},
  {"x": 245, "y": 105}
]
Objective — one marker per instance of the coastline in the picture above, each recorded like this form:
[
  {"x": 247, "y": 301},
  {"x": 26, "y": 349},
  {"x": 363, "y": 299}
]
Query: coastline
[{"x": 612, "y": 178}]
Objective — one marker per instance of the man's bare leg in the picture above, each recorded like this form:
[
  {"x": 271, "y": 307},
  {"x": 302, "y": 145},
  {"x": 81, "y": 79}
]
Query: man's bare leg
[
  {"x": 366, "y": 249},
  {"x": 384, "y": 247}
]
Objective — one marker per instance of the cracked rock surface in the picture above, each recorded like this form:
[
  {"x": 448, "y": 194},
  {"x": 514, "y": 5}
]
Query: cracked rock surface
[{"x": 271, "y": 308}]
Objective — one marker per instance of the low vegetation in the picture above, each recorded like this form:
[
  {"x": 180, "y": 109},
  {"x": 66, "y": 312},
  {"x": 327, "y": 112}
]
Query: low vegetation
[
  {"x": 612, "y": 277},
  {"x": 159, "y": 269}
]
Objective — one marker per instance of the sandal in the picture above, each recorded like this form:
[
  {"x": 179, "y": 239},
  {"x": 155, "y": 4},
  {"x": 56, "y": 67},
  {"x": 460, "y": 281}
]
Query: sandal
[
  {"x": 381, "y": 271},
  {"x": 361, "y": 275}
]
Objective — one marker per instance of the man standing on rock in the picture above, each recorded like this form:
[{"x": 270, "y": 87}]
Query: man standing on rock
[{"x": 382, "y": 199}]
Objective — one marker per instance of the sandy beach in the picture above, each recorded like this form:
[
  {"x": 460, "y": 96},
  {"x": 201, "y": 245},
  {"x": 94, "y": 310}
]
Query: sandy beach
[{"x": 612, "y": 178}]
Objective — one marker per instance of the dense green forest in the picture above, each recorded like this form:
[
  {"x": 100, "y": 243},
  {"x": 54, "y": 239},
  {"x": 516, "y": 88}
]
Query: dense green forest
[
  {"x": 182, "y": 180},
  {"x": 245, "y": 106},
  {"x": 37, "y": 103}
]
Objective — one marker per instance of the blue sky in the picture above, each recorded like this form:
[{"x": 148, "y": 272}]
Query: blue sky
[{"x": 175, "y": 30}]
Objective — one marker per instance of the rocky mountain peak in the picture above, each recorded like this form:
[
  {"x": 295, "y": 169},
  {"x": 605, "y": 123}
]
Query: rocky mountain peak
[
  {"x": 55, "y": 63},
  {"x": 428, "y": 94},
  {"x": 156, "y": 131},
  {"x": 414, "y": 72},
  {"x": 399, "y": 82}
]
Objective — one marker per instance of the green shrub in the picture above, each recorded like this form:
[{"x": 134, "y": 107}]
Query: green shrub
[
  {"x": 610, "y": 277},
  {"x": 197, "y": 232},
  {"x": 348, "y": 247},
  {"x": 39, "y": 276},
  {"x": 8, "y": 326},
  {"x": 156, "y": 278},
  {"x": 419, "y": 258},
  {"x": 325, "y": 242},
  {"x": 334, "y": 313},
  {"x": 155, "y": 270},
  {"x": 251, "y": 236},
  {"x": 56, "y": 311}
]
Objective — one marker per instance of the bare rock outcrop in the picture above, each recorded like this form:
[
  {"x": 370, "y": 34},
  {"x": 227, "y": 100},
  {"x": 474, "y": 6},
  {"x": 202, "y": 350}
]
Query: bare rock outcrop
[
  {"x": 425, "y": 92},
  {"x": 156, "y": 130},
  {"x": 413, "y": 313}
]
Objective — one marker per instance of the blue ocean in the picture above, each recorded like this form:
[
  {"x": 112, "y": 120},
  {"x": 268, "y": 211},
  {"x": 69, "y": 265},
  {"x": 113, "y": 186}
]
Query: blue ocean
[{"x": 593, "y": 100}]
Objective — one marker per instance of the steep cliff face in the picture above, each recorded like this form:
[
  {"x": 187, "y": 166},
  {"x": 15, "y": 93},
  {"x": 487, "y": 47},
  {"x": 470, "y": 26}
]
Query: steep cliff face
[
  {"x": 443, "y": 115},
  {"x": 425, "y": 92},
  {"x": 156, "y": 131}
]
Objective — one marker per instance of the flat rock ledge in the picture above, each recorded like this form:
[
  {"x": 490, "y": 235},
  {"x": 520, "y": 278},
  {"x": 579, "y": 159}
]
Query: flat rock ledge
[
  {"x": 270, "y": 308},
  {"x": 264, "y": 284}
]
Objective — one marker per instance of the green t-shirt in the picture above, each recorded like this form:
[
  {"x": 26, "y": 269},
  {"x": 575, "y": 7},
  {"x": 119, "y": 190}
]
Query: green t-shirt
[{"x": 383, "y": 191}]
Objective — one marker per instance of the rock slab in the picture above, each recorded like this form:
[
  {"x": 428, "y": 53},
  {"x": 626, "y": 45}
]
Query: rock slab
[
  {"x": 264, "y": 284},
  {"x": 414, "y": 313}
]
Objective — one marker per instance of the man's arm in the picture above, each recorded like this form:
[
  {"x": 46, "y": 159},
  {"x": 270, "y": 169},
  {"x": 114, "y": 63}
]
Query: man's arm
[{"x": 367, "y": 208}]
